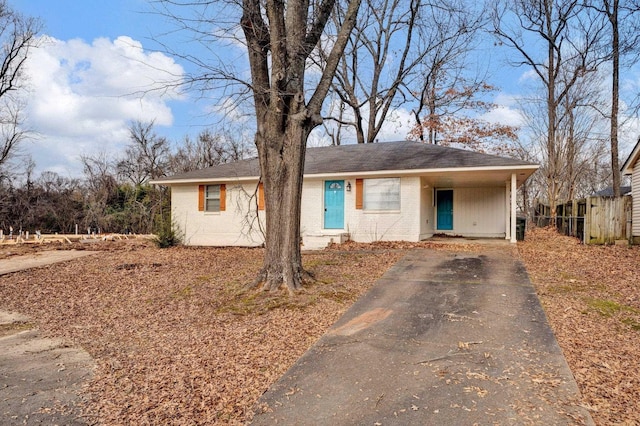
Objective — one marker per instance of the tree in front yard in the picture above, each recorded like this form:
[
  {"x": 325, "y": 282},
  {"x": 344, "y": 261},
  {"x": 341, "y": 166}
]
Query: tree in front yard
[{"x": 279, "y": 37}]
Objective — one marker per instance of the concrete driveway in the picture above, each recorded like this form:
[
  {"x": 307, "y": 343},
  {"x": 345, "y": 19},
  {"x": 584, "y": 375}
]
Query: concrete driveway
[
  {"x": 442, "y": 339},
  {"x": 40, "y": 377}
]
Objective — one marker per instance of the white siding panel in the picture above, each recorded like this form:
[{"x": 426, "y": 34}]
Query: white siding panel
[
  {"x": 479, "y": 212},
  {"x": 368, "y": 226},
  {"x": 227, "y": 228},
  {"x": 635, "y": 199},
  {"x": 312, "y": 216}
]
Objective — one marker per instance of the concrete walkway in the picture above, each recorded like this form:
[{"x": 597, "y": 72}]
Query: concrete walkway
[
  {"x": 40, "y": 378},
  {"x": 38, "y": 259},
  {"x": 441, "y": 339}
]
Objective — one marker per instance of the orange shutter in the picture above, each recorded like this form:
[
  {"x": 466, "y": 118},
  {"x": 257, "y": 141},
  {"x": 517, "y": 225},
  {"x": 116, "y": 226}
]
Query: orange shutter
[
  {"x": 223, "y": 197},
  {"x": 201, "y": 198},
  {"x": 359, "y": 188},
  {"x": 260, "y": 196}
]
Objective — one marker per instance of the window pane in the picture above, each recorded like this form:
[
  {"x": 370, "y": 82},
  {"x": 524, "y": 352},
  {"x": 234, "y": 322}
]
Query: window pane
[
  {"x": 213, "y": 191},
  {"x": 212, "y": 198},
  {"x": 213, "y": 205},
  {"x": 382, "y": 194}
]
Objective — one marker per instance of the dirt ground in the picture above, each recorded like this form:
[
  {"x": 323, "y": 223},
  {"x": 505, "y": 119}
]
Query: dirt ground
[{"x": 177, "y": 339}]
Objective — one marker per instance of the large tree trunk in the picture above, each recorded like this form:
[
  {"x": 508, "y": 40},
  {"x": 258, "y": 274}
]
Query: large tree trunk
[
  {"x": 281, "y": 156},
  {"x": 278, "y": 49},
  {"x": 615, "y": 95},
  {"x": 552, "y": 105}
]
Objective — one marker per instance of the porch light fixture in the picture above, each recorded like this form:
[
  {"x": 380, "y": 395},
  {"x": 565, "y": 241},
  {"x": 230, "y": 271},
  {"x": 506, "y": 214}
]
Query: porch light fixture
[{"x": 348, "y": 186}]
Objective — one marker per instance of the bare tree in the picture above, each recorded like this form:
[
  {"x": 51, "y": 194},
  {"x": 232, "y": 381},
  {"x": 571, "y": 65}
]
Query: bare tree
[
  {"x": 569, "y": 37},
  {"x": 442, "y": 85},
  {"x": 146, "y": 157},
  {"x": 207, "y": 150},
  {"x": 454, "y": 119},
  {"x": 335, "y": 114},
  {"x": 279, "y": 38},
  {"x": 11, "y": 131},
  {"x": 611, "y": 9},
  {"x": 386, "y": 54},
  {"x": 581, "y": 140},
  {"x": 278, "y": 51},
  {"x": 623, "y": 19},
  {"x": 17, "y": 38},
  {"x": 580, "y": 135},
  {"x": 373, "y": 69},
  {"x": 101, "y": 190}
]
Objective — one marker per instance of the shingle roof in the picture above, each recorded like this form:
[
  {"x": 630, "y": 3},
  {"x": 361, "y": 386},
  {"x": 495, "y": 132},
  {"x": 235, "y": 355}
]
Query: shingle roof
[
  {"x": 608, "y": 192},
  {"x": 406, "y": 155}
]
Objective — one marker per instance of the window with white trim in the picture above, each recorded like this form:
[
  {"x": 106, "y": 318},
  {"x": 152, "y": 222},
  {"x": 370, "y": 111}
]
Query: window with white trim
[{"x": 382, "y": 194}]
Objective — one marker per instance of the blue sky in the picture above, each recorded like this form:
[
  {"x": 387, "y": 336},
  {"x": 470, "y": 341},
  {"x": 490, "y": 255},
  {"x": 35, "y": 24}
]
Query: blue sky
[
  {"x": 89, "y": 61},
  {"x": 89, "y": 19},
  {"x": 96, "y": 54},
  {"x": 92, "y": 56}
]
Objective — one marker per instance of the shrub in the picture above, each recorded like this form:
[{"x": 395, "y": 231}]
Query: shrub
[{"x": 168, "y": 235}]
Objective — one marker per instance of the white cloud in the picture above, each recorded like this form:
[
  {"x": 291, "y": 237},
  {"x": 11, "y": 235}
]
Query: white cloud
[
  {"x": 628, "y": 136},
  {"x": 528, "y": 76},
  {"x": 505, "y": 112},
  {"x": 230, "y": 109},
  {"x": 83, "y": 96},
  {"x": 504, "y": 115},
  {"x": 397, "y": 125}
]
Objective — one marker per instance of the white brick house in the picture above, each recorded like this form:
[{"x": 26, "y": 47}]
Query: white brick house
[{"x": 384, "y": 191}]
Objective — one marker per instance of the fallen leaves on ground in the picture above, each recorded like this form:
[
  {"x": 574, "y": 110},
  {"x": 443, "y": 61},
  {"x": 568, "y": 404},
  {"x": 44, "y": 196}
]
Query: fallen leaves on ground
[
  {"x": 449, "y": 243},
  {"x": 176, "y": 336},
  {"x": 591, "y": 297},
  {"x": 178, "y": 340}
]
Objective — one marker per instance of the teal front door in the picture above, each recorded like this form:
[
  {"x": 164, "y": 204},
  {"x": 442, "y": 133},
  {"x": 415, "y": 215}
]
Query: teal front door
[
  {"x": 334, "y": 204},
  {"x": 444, "y": 205}
]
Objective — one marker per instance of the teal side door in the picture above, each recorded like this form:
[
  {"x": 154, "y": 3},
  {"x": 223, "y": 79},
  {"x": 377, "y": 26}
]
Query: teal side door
[
  {"x": 444, "y": 204},
  {"x": 334, "y": 204}
]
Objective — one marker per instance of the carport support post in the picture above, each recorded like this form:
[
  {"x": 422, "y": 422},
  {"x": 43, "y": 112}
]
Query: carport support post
[
  {"x": 507, "y": 210},
  {"x": 513, "y": 207}
]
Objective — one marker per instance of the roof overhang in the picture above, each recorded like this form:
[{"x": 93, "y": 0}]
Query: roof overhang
[
  {"x": 627, "y": 168},
  {"x": 450, "y": 177},
  {"x": 437, "y": 178},
  {"x": 170, "y": 181}
]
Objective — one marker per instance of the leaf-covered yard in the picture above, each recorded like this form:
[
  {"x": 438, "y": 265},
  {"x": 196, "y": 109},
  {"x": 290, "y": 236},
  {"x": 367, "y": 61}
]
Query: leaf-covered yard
[
  {"x": 178, "y": 340},
  {"x": 591, "y": 295}
]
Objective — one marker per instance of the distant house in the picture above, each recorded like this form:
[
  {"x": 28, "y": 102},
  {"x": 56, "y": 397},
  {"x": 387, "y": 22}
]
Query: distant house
[
  {"x": 367, "y": 192},
  {"x": 608, "y": 191},
  {"x": 631, "y": 168}
]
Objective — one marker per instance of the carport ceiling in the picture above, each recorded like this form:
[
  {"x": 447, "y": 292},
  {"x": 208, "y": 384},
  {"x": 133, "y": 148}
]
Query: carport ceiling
[{"x": 475, "y": 178}]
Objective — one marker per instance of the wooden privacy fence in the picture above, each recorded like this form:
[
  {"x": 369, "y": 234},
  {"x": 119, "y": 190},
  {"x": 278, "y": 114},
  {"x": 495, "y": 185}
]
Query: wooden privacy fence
[{"x": 593, "y": 220}]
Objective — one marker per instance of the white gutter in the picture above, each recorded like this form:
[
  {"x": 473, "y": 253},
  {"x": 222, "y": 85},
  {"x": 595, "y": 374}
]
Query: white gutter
[
  {"x": 204, "y": 180},
  {"x": 421, "y": 172},
  {"x": 412, "y": 172}
]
